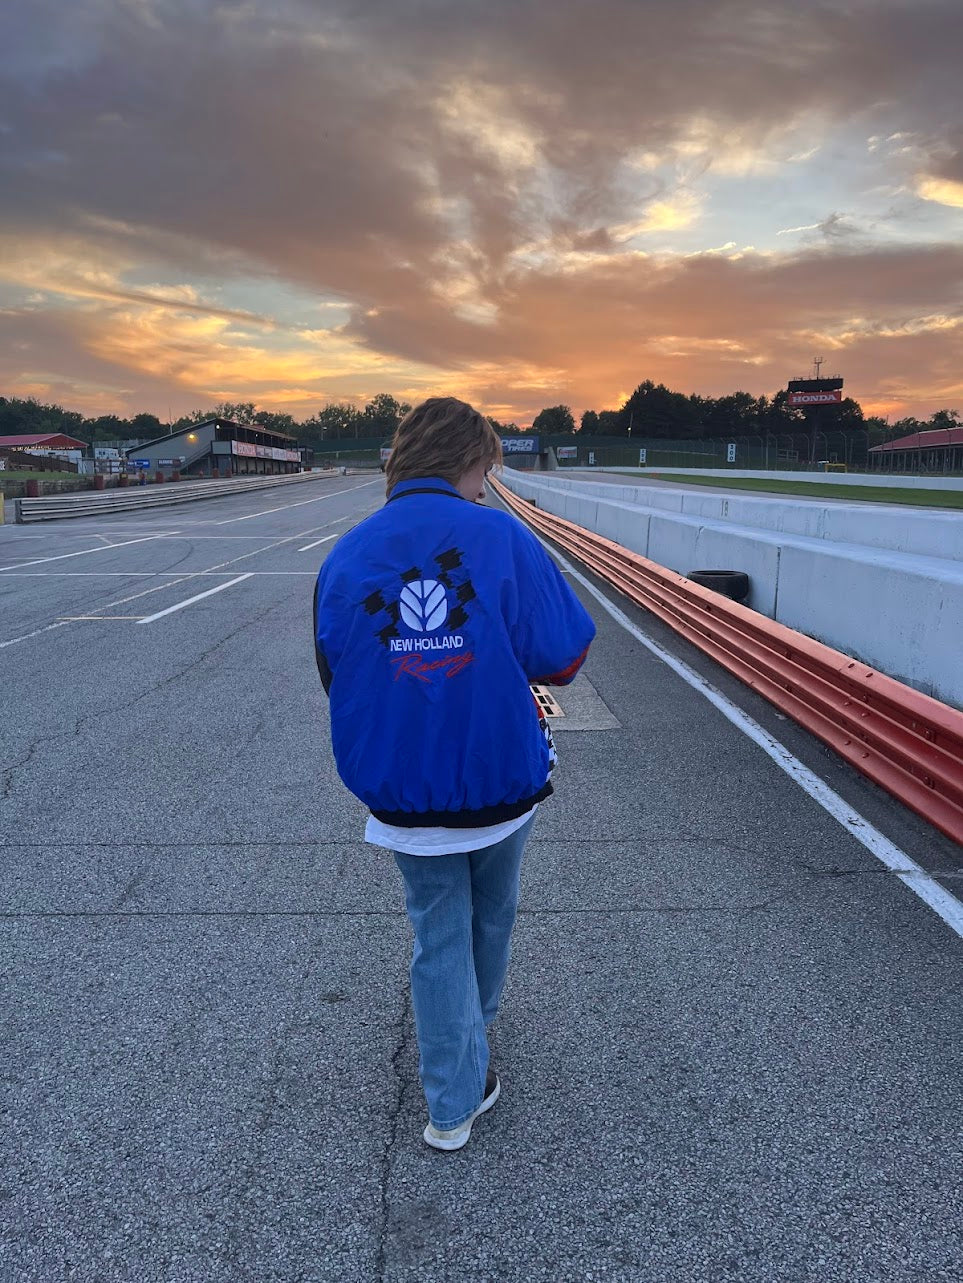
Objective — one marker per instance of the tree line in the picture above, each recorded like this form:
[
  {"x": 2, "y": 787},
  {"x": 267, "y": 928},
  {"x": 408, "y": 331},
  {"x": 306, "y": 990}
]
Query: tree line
[
  {"x": 656, "y": 412},
  {"x": 653, "y": 411},
  {"x": 379, "y": 418},
  {"x": 336, "y": 421}
]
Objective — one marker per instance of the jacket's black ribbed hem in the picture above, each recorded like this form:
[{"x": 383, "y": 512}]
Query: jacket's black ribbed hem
[{"x": 480, "y": 819}]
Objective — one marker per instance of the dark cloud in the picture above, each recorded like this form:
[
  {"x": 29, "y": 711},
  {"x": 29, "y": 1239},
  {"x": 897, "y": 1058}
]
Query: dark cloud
[
  {"x": 313, "y": 137},
  {"x": 837, "y": 227},
  {"x": 405, "y": 155},
  {"x": 946, "y": 154}
]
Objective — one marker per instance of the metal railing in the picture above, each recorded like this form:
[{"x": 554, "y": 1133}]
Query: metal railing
[{"x": 909, "y": 744}]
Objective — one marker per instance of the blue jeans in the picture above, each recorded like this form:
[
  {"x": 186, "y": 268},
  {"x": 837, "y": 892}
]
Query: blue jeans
[{"x": 462, "y": 909}]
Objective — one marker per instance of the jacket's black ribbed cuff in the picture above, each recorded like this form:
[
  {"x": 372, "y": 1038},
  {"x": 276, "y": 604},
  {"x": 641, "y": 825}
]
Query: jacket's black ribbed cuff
[{"x": 480, "y": 819}]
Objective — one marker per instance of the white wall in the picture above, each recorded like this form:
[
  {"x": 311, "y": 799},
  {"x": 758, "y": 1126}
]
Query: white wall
[
  {"x": 926, "y": 532},
  {"x": 833, "y": 478},
  {"x": 882, "y": 584}
]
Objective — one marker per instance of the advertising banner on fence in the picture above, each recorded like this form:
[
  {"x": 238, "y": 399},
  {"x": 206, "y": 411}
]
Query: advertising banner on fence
[
  {"x": 520, "y": 445},
  {"x": 248, "y": 451},
  {"x": 566, "y": 452}
]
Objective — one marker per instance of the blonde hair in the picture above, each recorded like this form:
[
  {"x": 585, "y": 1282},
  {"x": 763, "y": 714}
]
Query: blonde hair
[{"x": 442, "y": 437}]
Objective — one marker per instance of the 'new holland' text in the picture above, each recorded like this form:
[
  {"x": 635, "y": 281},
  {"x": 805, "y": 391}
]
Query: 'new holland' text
[{"x": 407, "y": 644}]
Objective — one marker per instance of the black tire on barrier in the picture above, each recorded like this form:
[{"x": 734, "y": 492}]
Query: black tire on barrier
[{"x": 731, "y": 583}]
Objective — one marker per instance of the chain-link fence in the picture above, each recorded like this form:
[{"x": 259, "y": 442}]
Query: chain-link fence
[
  {"x": 634, "y": 452},
  {"x": 346, "y": 453},
  {"x": 782, "y": 452}
]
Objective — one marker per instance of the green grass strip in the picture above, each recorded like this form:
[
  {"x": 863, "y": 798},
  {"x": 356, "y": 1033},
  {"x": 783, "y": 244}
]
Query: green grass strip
[{"x": 817, "y": 489}]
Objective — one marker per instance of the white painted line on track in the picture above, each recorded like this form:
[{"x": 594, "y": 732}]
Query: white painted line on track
[
  {"x": 888, "y": 853},
  {"x": 76, "y": 531},
  {"x": 122, "y": 601},
  {"x": 192, "y": 538},
  {"x": 87, "y": 574},
  {"x": 140, "y": 574},
  {"x": 149, "y": 619},
  {"x": 300, "y": 504},
  {"x": 177, "y": 576},
  {"x": 47, "y": 628},
  {"x": 37, "y": 561},
  {"x": 308, "y": 546}
]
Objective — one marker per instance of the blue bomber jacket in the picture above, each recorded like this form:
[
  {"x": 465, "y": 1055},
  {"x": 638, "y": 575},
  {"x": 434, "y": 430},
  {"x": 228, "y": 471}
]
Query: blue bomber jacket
[{"x": 431, "y": 618}]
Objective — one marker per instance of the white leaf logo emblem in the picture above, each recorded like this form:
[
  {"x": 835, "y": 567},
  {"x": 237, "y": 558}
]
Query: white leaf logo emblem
[{"x": 424, "y": 605}]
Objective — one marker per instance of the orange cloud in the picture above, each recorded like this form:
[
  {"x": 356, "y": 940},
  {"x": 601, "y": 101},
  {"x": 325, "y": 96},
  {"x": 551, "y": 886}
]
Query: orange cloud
[{"x": 944, "y": 191}]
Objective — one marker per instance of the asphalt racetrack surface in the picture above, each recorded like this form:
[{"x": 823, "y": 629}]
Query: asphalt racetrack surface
[{"x": 730, "y": 1044}]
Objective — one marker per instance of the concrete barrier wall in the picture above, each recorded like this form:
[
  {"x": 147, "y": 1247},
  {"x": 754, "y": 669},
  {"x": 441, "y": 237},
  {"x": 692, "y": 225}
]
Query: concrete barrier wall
[
  {"x": 930, "y": 533},
  {"x": 833, "y": 478},
  {"x": 893, "y": 607},
  {"x": 132, "y": 498}
]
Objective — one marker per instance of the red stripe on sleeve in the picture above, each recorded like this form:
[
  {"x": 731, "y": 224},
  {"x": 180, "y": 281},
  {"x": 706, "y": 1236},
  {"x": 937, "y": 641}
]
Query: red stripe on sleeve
[{"x": 564, "y": 675}]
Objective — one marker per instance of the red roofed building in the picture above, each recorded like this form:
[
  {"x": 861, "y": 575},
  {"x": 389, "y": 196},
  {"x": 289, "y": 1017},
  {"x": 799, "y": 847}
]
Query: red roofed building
[
  {"x": 935, "y": 450},
  {"x": 42, "y": 441}
]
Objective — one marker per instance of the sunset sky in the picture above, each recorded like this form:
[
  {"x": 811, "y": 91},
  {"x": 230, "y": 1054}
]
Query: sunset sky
[{"x": 520, "y": 203}]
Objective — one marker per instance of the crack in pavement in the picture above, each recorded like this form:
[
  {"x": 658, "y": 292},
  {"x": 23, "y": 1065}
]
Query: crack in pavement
[
  {"x": 259, "y": 727},
  {"x": 127, "y": 893},
  {"x": 594, "y": 911},
  {"x": 201, "y": 913},
  {"x": 346, "y": 844},
  {"x": 192, "y": 664},
  {"x": 271, "y": 1104},
  {"x": 394, "y": 1113},
  {"x": 9, "y": 772},
  {"x": 309, "y": 842}
]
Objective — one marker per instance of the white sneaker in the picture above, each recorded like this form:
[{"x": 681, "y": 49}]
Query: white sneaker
[{"x": 458, "y": 1136}]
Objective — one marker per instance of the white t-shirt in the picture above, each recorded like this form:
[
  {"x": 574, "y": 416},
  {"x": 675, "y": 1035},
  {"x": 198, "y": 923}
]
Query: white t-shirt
[{"x": 440, "y": 841}]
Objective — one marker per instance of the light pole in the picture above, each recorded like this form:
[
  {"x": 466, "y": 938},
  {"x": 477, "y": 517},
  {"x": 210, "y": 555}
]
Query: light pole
[{"x": 865, "y": 432}]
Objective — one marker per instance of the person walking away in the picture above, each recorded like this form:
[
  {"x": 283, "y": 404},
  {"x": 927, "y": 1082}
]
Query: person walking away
[{"x": 431, "y": 619}]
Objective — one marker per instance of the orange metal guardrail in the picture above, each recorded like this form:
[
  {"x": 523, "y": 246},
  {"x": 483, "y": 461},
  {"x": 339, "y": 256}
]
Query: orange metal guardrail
[{"x": 905, "y": 741}]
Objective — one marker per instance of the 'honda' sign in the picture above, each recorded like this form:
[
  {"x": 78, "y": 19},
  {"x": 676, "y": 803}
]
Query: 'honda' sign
[{"x": 802, "y": 399}]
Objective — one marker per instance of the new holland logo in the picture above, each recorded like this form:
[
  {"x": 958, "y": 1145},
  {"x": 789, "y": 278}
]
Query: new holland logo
[
  {"x": 424, "y": 605},
  {"x": 425, "y": 612}
]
